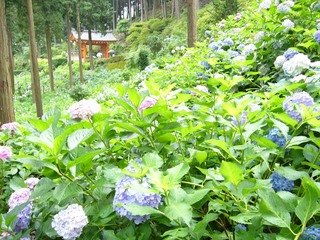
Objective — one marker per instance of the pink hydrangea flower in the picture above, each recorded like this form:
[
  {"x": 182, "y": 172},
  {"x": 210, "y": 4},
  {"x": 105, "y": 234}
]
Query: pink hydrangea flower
[
  {"x": 4, "y": 234},
  {"x": 201, "y": 88},
  {"x": 10, "y": 126},
  {"x": 84, "y": 109},
  {"x": 19, "y": 197},
  {"x": 147, "y": 103},
  {"x": 5, "y": 152},
  {"x": 31, "y": 182}
]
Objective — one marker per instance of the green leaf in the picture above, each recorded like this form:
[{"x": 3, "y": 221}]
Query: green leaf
[
  {"x": 309, "y": 204},
  {"x": 231, "y": 172},
  {"x": 221, "y": 144},
  {"x": 177, "y": 233},
  {"x": 121, "y": 89},
  {"x": 178, "y": 171},
  {"x": 141, "y": 210},
  {"x": 152, "y": 160},
  {"x": 78, "y": 137},
  {"x": 273, "y": 209},
  {"x": 264, "y": 142},
  {"x": 250, "y": 128},
  {"x": 245, "y": 218},
  {"x": 40, "y": 125},
  {"x": 66, "y": 190},
  {"x": 179, "y": 211},
  {"x": 297, "y": 140},
  {"x": 134, "y": 97},
  {"x": 196, "y": 196},
  {"x": 85, "y": 160},
  {"x": 310, "y": 152},
  {"x": 35, "y": 163},
  {"x": 131, "y": 128},
  {"x": 281, "y": 126}
]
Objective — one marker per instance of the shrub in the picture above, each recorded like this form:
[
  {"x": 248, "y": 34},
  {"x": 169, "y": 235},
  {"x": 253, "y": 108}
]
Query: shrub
[
  {"x": 79, "y": 92},
  {"x": 59, "y": 60}
]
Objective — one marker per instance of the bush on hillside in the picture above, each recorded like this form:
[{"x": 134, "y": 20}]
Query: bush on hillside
[{"x": 79, "y": 92}]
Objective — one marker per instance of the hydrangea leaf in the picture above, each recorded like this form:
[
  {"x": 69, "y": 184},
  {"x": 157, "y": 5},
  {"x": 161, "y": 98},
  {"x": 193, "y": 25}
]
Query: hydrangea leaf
[
  {"x": 281, "y": 126},
  {"x": 178, "y": 171},
  {"x": 152, "y": 160},
  {"x": 245, "y": 218},
  {"x": 78, "y": 137},
  {"x": 309, "y": 204},
  {"x": 231, "y": 172},
  {"x": 297, "y": 140},
  {"x": 176, "y": 233},
  {"x": 134, "y": 96},
  {"x": 273, "y": 209},
  {"x": 310, "y": 152},
  {"x": 179, "y": 211},
  {"x": 66, "y": 190}
]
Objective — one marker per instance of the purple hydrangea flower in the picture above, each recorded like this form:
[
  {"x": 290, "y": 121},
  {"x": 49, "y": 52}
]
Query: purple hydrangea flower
[
  {"x": 317, "y": 36},
  {"x": 276, "y": 136},
  {"x": 69, "y": 223},
  {"x": 31, "y": 182},
  {"x": 10, "y": 126},
  {"x": 294, "y": 102},
  {"x": 23, "y": 218},
  {"x": 290, "y": 54},
  {"x": 311, "y": 233},
  {"x": 243, "y": 117},
  {"x": 17, "y": 198},
  {"x": 126, "y": 194},
  {"x": 280, "y": 183},
  {"x": 5, "y": 152},
  {"x": 147, "y": 103}
]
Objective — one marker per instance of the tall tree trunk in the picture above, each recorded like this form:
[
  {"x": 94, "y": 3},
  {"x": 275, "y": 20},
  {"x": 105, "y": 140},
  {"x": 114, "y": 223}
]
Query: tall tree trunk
[
  {"x": 153, "y": 8},
  {"x": 6, "y": 95},
  {"x": 165, "y": 8},
  {"x": 145, "y": 9},
  {"x": 177, "y": 9},
  {"x": 49, "y": 52},
  {"x": 11, "y": 59},
  {"x": 34, "y": 62},
  {"x": 90, "y": 49},
  {"x": 79, "y": 44},
  {"x": 192, "y": 22},
  {"x": 114, "y": 19},
  {"x": 141, "y": 10},
  {"x": 129, "y": 11},
  {"x": 69, "y": 47}
]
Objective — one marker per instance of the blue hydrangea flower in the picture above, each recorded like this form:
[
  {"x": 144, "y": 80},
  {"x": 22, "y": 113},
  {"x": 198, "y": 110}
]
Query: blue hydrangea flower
[
  {"x": 240, "y": 227},
  {"x": 214, "y": 45},
  {"x": 233, "y": 54},
  {"x": 228, "y": 42},
  {"x": 317, "y": 36},
  {"x": 280, "y": 183},
  {"x": 24, "y": 218},
  {"x": 127, "y": 194},
  {"x": 311, "y": 233},
  {"x": 295, "y": 101},
  {"x": 276, "y": 136},
  {"x": 208, "y": 33},
  {"x": 206, "y": 65},
  {"x": 201, "y": 75},
  {"x": 290, "y": 53}
]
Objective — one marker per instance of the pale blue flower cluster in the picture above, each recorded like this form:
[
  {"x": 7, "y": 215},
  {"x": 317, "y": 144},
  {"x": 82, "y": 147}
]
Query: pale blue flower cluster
[
  {"x": 290, "y": 54},
  {"x": 244, "y": 116},
  {"x": 206, "y": 65},
  {"x": 240, "y": 227},
  {"x": 317, "y": 36},
  {"x": 311, "y": 233},
  {"x": 294, "y": 102},
  {"x": 280, "y": 183},
  {"x": 285, "y": 6},
  {"x": 228, "y": 42},
  {"x": 69, "y": 223},
  {"x": 23, "y": 219},
  {"x": 277, "y": 137},
  {"x": 126, "y": 194},
  {"x": 249, "y": 49}
]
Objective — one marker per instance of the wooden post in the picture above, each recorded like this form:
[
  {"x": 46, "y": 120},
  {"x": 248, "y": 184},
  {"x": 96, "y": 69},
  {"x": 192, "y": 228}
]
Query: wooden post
[
  {"x": 192, "y": 22},
  {"x": 84, "y": 51}
]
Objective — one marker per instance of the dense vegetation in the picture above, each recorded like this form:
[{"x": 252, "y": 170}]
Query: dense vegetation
[{"x": 220, "y": 141}]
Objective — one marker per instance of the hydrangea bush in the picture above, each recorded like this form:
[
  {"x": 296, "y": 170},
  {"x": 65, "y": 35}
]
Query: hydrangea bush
[{"x": 233, "y": 155}]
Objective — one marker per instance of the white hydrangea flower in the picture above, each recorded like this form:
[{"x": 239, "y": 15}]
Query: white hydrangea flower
[
  {"x": 276, "y": 2},
  {"x": 295, "y": 65},
  {"x": 259, "y": 36},
  {"x": 299, "y": 78},
  {"x": 285, "y": 6},
  {"x": 265, "y": 4},
  {"x": 69, "y": 223},
  {"x": 248, "y": 49},
  {"x": 84, "y": 109},
  {"x": 288, "y": 24},
  {"x": 280, "y": 60},
  {"x": 239, "y": 58}
]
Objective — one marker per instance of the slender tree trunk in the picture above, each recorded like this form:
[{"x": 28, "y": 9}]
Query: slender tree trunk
[
  {"x": 145, "y": 9},
  {"x": 79, "y": 44},
  {"x": 141, "y": 10},
  {"x": 114, "y": 22},
  {"x": 34, "y": 62},
  {"x": 177, "y": 9},
  {"x": 6, "y": 95},
  {"x": 11, "y": 59},
  {"x": 69, "y": 47},
  {"x": 165, "y": 8},
  {"x": 153, "y": 8},
  {"x": 90, "y": 49},
  {"x": 129, "y": 11},
  {"x": 49, "y": 52},
  {"x": 192, "y": 22}
]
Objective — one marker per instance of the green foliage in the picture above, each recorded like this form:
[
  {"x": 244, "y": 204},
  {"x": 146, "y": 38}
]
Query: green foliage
[
  {"x": 79, "y": 92},
  {"x": 143, "y": 58},
  {"x": 59, "y": 60}
]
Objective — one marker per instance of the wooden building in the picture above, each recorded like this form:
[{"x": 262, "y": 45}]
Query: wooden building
[{"x": 97, "y": 39}]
